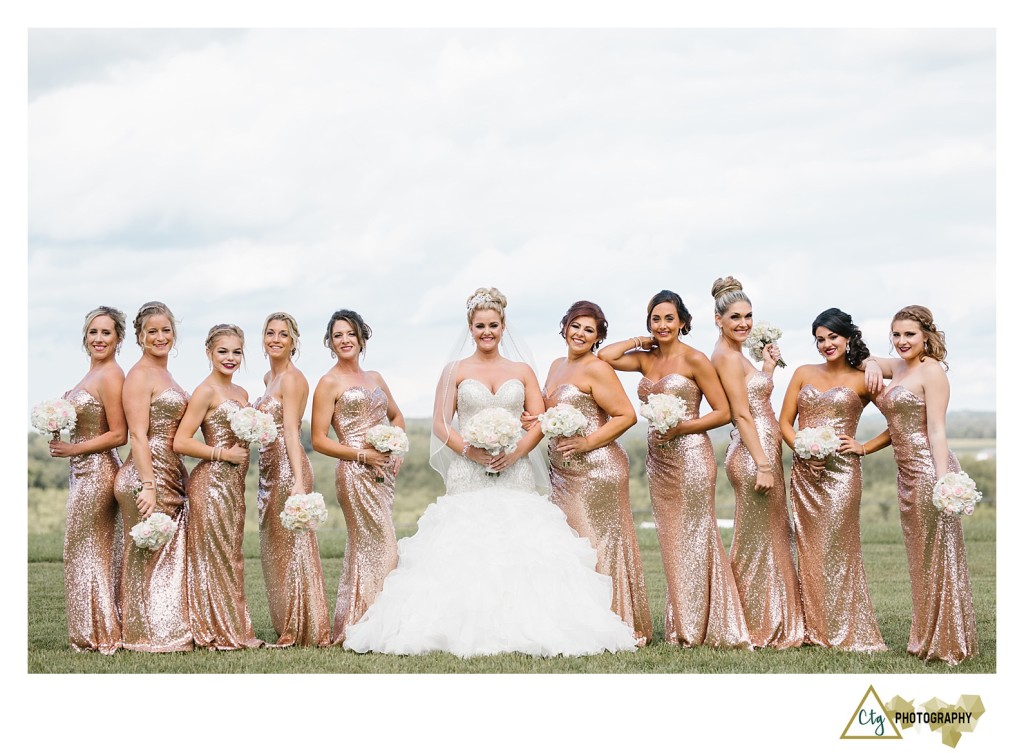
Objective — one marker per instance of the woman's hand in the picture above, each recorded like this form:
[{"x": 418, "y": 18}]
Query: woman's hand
[
  {"x": 145, "y": 501},
  {"x": 527, "y": 421},
  {"x": 873, "y": 378},
  {"x": 676, "y": 431},
  {"x": 297, "y": 489},
  {"x": 771, "y": 355},
  {"x": 763, "y": 481},
  {"x": 59, "y": 449},
  {"x": 850, "y": 445},
  {"x": 817, "y": 465},
  {"x": 501, "y": 461},
  {"x": 372, "y": 457},
  {"x": 571, "y": 445},
  {"x": 235, "y": 454}
]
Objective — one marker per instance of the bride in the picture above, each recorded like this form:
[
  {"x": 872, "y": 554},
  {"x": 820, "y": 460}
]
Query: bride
[{"x": 493, "y": 567}]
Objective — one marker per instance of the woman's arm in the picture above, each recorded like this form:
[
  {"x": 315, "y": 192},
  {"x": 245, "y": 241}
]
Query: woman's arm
[
  {"x": 626, "y": 355},
  {"x": 730, "y": 371},
  {"x": 534, "y": 405},
  {"x": 294, "y": 391},
  {"x": 788, "y": 414},
  {"x": 611, "y": 398},
  {"x": 395, "y": 417},
  {"x": 109, "y": 388},
  {"x": 849, "y": 444},
  {"x": 771, "y": 354},
  {"x": 137, "y": 396},
  {"x": 710, "y": 385},
  {"x": 936, "y": 400},
  {"x": 185, "y": 442}
]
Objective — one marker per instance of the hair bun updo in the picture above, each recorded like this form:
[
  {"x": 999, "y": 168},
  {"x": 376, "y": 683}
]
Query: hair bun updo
[
  {"x": 726, "y": 291},
  {"x": 486, "y": 298}
]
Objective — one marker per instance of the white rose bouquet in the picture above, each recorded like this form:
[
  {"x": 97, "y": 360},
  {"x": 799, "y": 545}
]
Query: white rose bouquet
[
  {"x": 251, "y": 425},
  {"x": 304, "y": 512},
  {"x": 562, "y": 421},
  {"x": 390, "y": 439},
  {"x": 153, "y": 532},
  {"x": 956, "y": 494},
  {"x": 663, "y": 411},
  {"x": 816, "y": 442},
  {"x": 762, "y": 334},
  {"x": 54, "y": 416},
  {"x": 493, "y": 430}
]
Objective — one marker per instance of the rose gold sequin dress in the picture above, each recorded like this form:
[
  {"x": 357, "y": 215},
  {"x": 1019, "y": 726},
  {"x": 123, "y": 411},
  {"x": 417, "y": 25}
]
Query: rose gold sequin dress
[
  {"x": 216, "y": 569},
  {"x": 826, "y": 511},
  {"x": 762, "y": 542},
  {"x": 154, "y": 605},
  {"x": 371, "y": 549},
  {"x": 942, "y": 625},
  {"x": 291, "y": 559},
  {"x": 91, "y": 537},
  {"x": 702, "y": 602},
  {"x": 592, "y": 489}
]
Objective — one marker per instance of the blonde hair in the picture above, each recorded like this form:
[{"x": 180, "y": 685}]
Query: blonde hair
[
  {"x": 934, "y": 339},
  {"x": 153, "y": 308},
  {"x": 119, "y": 324},
  {"x": 218, "y": 331},
  {"x": 293, "y": 327},
  {"x": 726, "y": 291},
  {"x": 490, "y": 299}
]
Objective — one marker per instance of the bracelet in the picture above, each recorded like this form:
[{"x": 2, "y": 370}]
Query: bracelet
[
  {"x": 764, "y": 467},
  {"x": 465, "y": 449},
  {"x": 213, "y": 453},
  {"x": 361, "y": 456},
  {"x": 220, "y": 452},
  {"x": 148, "y": 485}
]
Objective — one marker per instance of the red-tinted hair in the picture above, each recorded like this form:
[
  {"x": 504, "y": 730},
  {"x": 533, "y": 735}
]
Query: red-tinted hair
[{"x": 585, "y": 308}]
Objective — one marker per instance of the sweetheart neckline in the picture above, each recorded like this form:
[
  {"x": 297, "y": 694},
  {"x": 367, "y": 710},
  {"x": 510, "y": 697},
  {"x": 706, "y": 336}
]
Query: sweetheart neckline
[{"x": 493, "y": 392}]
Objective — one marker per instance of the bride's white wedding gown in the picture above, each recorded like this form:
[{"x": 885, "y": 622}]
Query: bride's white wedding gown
[{"x": 493, "y": 568}]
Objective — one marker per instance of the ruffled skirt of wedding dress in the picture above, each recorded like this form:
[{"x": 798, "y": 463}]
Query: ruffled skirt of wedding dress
[{"x": 489, "y": 572}]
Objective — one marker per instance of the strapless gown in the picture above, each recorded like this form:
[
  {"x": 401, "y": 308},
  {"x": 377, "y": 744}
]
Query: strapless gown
[
  {"x": 92, "y": 536},
  {"x": 154, "y": 602},
  {"x": 217, "y": 608},
  {"x": 826, "y": 512},
  {"x": 592, "y": 489},
  {"x": 702, "y": 601},
  {"x": 942, "y": 625},
  {"x": 371, "y": 548},
  {"x": 292, "y": 572},
  {"x": 762, "y": 541},
  {"x": 493, "y": 568}
]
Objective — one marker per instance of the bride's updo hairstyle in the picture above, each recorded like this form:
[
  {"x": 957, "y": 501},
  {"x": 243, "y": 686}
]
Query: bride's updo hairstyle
[
  {"x": 842, "y": 324},
  {"x": 585, "y": 308},
  {"x": 667, "y": 296},
  {"x": 934, "y": 339},
  {"x": 152, "y": 309},
  {"x": 486, "y": 298},
  {"x": 293, "y": 328},
  {"x": 727, "y": 291},
  {"x": 361, "y": 328}
]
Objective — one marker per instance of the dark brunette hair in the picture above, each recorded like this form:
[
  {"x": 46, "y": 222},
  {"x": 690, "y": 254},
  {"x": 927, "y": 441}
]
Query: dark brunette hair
[
  {"x": 362, "y": 329},
  {"x": 842, "y": 324},
  {"x": 585, "y": 308},
  {"x": 667, "y": 296}
]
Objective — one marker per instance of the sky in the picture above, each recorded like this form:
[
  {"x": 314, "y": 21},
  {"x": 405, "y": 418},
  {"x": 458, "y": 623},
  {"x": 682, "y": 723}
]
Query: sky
[{"x": 231, "y": 173}]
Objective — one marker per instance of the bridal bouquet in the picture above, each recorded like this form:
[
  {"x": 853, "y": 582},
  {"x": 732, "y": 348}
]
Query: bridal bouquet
[
  {"x": 663, "y": 411},
  {"x": 54, "y": 416},
  {"x": 251, "y": 425},
  {"x": 386, "y": 438},
  {"x": 816, "y": 442},
  {"x": 956, "y": 494},
  {"x": 154, "y": 531},
  {"x": 562, "y": 421},
  {"x": 762, "y": 334},
  {"x": 493, "y": 430},
  {"x": 304, "y": 512}
]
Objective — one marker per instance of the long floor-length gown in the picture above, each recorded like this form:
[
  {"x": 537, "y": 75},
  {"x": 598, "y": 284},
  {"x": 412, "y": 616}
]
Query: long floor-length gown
[
  {"x": 942, "y": 625},
  {"x": 91, "y": 536},
  {"x": 592, "y": 489},
  {"x": 493, "y": 568},
  {"x": 826, "y": 513},
  {"x": 217, "y": 608},
  {"x": 154, "y": 604},
  {"x": 291, "y": 559},
  {"x": 702, "y": 601},
  {"x": 762, "y": 542},
  {"x": 366, "y": 496}
]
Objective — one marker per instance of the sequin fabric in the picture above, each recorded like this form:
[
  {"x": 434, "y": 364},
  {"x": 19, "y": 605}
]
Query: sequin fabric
[
  {"x": 826, "y": 514},
  {"x": 92, "y": 536},
  {"x": 154, "y": 605},
  {"x": 592, "y": 489},
  {"x": 366, "y": 496},
  {"x": 216, "y": 570},
  {"x": 942, "y": 625},
  {"x": 291, "y": 559},
  {"x": 702, "y": 602},
  {"x": 762, "y": 542}
]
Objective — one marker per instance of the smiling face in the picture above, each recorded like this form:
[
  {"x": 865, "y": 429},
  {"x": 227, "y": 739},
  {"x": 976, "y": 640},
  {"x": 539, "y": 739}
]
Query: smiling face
[
  {"x": 831, "y": 345},
  {"x": 736, "y": 322},
  {"x": 581, "y": 335},
  {"x": 101, "y": 338},
  {"x": 908, "y": 339},
  {"x": 345, "y": 340},
  {"x": 486, "y": 329},
  {"x": 277, "y": 339},
  {"x": 225, "y": 354},
  {"x": 158, "y": 335},
  {"x": 664, "y": 323}
]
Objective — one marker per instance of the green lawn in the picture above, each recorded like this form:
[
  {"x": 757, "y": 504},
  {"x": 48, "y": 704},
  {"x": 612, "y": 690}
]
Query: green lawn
[{"x": 884, "y": 557}]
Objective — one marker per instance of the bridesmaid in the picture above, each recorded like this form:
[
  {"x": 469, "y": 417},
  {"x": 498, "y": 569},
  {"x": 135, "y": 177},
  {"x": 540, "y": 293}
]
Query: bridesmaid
[
  {"x": 826, "y": 493},
  {"x": 590, "y": 473},
  {"x": 291, "y": 559},
  {"x": 703, "y": 605},
  {"x": 91, "y": 536},
  {"x": 914, "y": 405},
  {"x": 216, "y": 495},
  {"x": 154, "y": 607},
  {"x": 762, "y": 542},
  {"x": 353, "y": 400}
]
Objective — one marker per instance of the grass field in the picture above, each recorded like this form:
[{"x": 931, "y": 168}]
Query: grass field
[{"x": 884, "y": 558}]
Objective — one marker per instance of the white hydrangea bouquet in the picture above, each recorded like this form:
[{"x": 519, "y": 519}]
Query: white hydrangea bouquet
[
  {"x": 663, "y": 411},
  {"x": 251, "y": 425},
  {"x": 956, "y": 494},
  {"x": 816, "y": 442},
  {"x": 389, "y": 439},
  {"x": 762, "y": 335},
  {"x": 54, "y": 416},
  {"x": 562, "y": 420},
  {"x": 153, "y": 532},
  {"x": 493, "y": 430},
  {"x": 304, "y": 512}
]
